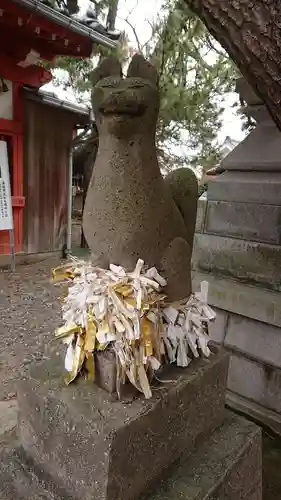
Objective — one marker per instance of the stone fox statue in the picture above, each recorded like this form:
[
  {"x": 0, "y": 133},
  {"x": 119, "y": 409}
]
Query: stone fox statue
[{"x": 130, "y": 211}]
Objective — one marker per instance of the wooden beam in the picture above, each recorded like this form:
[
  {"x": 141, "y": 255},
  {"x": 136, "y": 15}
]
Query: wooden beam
[
  {"x": 10, "y": 127},
  {"x": 35, "y": 76},
  {"x": 42, "y": 33}
]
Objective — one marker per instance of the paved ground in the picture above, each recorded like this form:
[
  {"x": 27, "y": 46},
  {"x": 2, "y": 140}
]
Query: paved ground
[{"x": 29, "y": 313}]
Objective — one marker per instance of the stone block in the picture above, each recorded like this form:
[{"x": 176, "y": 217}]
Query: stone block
[
  {"x": 254, "y": 263},
  {"x": 105, "y": 362},
  {"x": 256, "y": 382},
  {"x": 259, "y": 112},
  {"x": 250, "y": 187},
  {"x": 91, "y": 447},
  {"x": 8, "y": 416},
  {"x": 255, "y": 411},
  {"x": 256, "y": 339},
  {"x": 246, "y": 378},
  {"x": 19, "y": 481},
  {"x": 201, "y": 213},
  {"x": 106, "y": 378},
  {"x": 240, "y": 298},
  {"x": 227, "y": 466},
  {"x": 252, "y": 154},
  {"x": 8, "y": 423},
  {"x": 272, "y": 396},
  {"x": 256, "y": 493},
  {"x": 248, "y": 221},
  {"x": 245, "y": 476},
  {"x": 217, "y": 328}
]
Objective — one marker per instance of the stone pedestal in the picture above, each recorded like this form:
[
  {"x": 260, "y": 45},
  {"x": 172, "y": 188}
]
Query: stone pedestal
[
  {"x": 74, "y": 442},
  {"x": 238, "y": 250},
  {"x": 227, "y": 465},
  {"x": 76, "y": 433}
]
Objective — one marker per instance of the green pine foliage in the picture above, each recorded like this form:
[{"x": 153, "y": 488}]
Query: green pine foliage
[{"x": 195, "y": 76}]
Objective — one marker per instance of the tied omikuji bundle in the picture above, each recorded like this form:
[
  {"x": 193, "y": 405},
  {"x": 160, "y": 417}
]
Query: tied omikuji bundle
[{"x": 129, "y": 312}]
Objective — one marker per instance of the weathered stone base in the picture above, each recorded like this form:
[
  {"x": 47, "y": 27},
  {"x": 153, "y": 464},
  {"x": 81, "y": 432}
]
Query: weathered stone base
[
  {"x": 91, "y": 447},
  {"x": 251, "y": 262},
  {"x": 258, "y": 413},
  {"x": 19, "y": 481},
  {"x": 248, "y": 325},
  {"x": 226, "y": 466},
  {"x": 240, "y": 238}
]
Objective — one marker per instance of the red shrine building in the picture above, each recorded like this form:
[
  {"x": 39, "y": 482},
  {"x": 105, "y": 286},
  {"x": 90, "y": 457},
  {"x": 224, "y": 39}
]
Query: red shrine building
[{"x": 38, "y": 127}]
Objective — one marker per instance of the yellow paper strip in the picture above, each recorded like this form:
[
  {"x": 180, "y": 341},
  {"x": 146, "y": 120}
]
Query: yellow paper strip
[
  {"x": 64, "y": 331},
  {"x": 90, "y": 337},
  {"x": 90, "y": 366}
]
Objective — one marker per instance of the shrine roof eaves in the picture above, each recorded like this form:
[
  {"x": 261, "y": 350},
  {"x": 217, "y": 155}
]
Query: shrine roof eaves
[
  {"x": 67, "y": 22},
  {"x": 52, "y": 99}
]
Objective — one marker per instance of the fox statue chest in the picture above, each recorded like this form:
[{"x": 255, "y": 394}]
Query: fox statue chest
[{"x": 132, "y": 211}]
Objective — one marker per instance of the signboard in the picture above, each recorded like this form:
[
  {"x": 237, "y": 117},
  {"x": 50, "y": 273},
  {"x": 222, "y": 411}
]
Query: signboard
[
  {"x": 6, "y": 214},
  {"x": 6, "y": 211}
]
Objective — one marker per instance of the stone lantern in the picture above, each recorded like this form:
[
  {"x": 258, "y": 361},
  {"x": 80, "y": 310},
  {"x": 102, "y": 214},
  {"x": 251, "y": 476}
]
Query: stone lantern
[{"x": 237, "y": 249}]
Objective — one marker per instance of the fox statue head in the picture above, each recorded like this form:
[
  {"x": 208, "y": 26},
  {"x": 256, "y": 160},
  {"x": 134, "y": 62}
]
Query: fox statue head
[{"x": 125, "y": 105}]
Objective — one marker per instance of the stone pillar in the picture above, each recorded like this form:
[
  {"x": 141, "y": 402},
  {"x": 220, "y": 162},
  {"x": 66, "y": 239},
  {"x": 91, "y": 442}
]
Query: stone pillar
[{"x": 238, "y": 250}]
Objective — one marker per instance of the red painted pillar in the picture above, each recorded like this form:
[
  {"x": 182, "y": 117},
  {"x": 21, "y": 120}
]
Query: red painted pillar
[
  {"x": 11, "y": 131},
  {"x": 18, "y": 198}
]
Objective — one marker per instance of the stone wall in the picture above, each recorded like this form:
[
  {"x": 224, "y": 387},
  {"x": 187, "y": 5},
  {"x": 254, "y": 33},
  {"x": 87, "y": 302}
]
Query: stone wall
[
  {"x": 248, "y": 321},
  {"x": 237, "y": 250}
]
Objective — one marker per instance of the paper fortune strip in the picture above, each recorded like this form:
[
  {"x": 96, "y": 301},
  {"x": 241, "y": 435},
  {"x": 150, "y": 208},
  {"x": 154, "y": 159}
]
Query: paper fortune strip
[{"x": 128, "y": 312}]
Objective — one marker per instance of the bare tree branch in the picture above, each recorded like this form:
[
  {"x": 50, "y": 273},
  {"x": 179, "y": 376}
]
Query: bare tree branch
[
  {"x": 132, "y": 9},
  {"x": 151, "y": 36},
  {"x": 134, "y": 32},
  {"x": 112, "y": 14},
  {"x": 212, "y": 46}
]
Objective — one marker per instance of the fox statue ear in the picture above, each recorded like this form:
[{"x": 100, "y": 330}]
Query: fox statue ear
[
  {"x": 110, "y": 66},
  {"x": 139, "y": 67}
]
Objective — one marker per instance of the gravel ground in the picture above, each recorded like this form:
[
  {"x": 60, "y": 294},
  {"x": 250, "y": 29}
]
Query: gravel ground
[{"x": 29, "y": 313}]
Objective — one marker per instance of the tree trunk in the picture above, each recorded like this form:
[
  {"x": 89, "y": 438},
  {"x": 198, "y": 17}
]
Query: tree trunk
[
  {"x": 249, "y": 30},
  {"x": 112, "y": 14}
]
